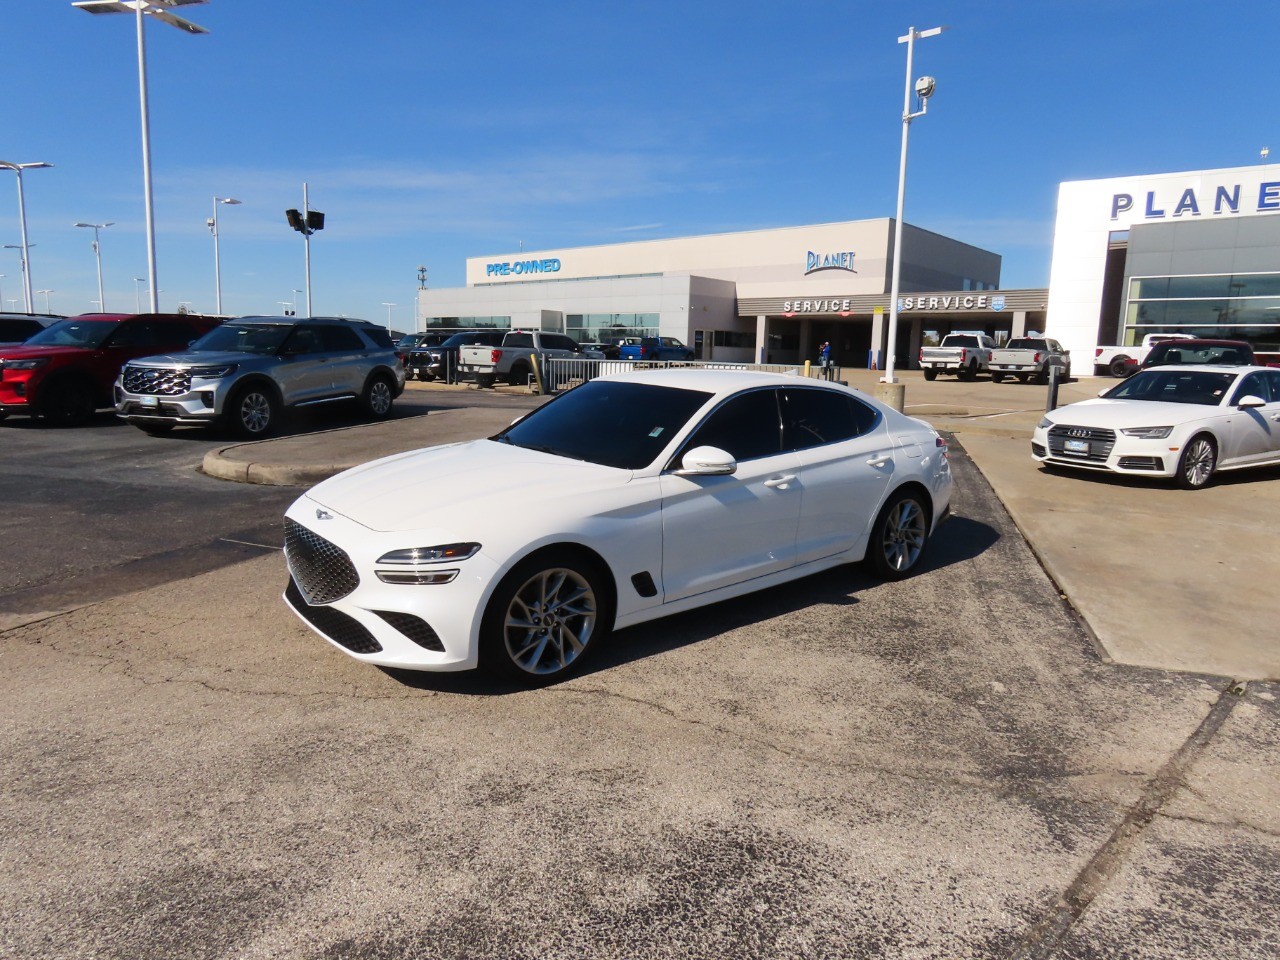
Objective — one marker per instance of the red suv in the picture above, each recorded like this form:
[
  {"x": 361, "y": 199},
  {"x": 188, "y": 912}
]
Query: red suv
[{"x": 65, "y": 372}]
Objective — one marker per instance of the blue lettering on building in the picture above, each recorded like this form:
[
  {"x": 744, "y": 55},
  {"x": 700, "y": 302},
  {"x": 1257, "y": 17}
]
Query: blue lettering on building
[
  {"x": 815, "y": 262},
  {"x": 522, "y": 267},
  {"x": 1226, "y": 199}
]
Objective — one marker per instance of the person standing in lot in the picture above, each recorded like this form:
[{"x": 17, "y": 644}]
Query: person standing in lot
[{"x": 824, "y": 360}]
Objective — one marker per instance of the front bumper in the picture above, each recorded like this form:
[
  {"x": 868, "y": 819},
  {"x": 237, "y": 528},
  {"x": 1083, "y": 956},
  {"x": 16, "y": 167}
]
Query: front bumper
[
  {"x": 1130, "y": 456},
  {"x": 415, "y": 627},
  {"x": 201, "y": 404}
]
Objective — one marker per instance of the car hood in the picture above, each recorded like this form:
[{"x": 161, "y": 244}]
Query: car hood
[
  {"x": 1116, "y": 414},
  {"x": 198, "y": 359},
  {"x": 441, "y": 485}
]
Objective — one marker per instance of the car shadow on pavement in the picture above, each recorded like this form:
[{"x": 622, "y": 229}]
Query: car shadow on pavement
[
  {"x": 958, "y": 540},
  {"x": 1227, "y": 478}
]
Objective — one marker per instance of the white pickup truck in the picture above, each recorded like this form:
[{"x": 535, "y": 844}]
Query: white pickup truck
[
  {"x": 1120, "y": 361},
  {"x": 1027, "y": 358},
  {"x": 964, "y": 354},
  {"x": 511, "y": 361}
]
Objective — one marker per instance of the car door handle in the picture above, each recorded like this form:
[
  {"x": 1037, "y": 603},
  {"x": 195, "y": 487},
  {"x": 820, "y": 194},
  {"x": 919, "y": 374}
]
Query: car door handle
[
  {"x": 780, "y": 482},
  {"x": 879, "y": 461}
]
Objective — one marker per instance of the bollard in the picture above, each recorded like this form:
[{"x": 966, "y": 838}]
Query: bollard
[
  {"x": 1051, "y": 401},
  {"x": 892, "y": 394},
  {"x": 807, "y": 365}
]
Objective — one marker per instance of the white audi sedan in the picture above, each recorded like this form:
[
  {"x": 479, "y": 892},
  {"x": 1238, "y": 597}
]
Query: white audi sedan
[
  {"x": 1185, "y": 422},
  {"x": 628, "y": 498}
]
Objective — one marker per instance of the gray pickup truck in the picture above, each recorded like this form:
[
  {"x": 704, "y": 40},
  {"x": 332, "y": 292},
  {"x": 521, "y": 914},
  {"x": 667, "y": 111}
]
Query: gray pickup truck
[
  {"x": 512, "y": 361},
  {"x": 1028, "y": 358},
  {"x": 245, "y": 373}
]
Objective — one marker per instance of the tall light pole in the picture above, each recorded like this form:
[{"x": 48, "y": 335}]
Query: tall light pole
[
  {"x": 17, "y": 168},
  {"x": 159, "y": 9},
  {"x": 924, "y": 89},
  {"x": 388, "y": 306},
  {"x": 217, "y": 264},
  {"x": 47, "y": 308},
  {"x": 2, "y": 276},
  {"x": 97, "y": 253},
  {"x": 137, "y": 293}
]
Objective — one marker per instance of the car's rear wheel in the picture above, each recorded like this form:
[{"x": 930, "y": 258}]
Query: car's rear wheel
[
  {"x": 970, "y": 371},
  {"x": 252, "y": 412},
  {"x": 930, "y": 373},
  {"x": 1119, "y": 366},
  {"x": 518, "y": 376},
  {"x": 997, "y": 378},
  {"x": 68, "y": 403},
  {"x": 377, "y": 397},
  {"x": 899, "y": 536},
  {"x": 545, "y": 616},
  {"x": 1198, "y": 461}
]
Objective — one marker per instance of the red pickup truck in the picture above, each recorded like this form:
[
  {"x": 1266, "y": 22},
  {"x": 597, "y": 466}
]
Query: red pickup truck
[{"x": 65, "y": 372}]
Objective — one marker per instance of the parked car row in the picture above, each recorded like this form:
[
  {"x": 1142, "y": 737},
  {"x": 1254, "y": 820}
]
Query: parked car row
[{"x": 160, "y": 371}]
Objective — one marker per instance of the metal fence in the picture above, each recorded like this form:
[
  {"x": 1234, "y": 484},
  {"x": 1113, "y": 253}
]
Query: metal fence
[{"x": 563, "y": 374}]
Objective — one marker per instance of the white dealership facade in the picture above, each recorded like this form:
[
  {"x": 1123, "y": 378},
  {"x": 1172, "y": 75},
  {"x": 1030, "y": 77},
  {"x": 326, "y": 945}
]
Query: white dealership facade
[{"x": 1196, "y": 252}]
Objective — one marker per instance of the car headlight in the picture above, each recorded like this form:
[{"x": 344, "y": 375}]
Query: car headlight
[
  {"x": 1147, "y": 433},
  {"x": 25, "y": 364},
  {"x": 445, "y": 553},
  {"x": 1044, "y": 424},
  {"x": 213, "y": 373}
]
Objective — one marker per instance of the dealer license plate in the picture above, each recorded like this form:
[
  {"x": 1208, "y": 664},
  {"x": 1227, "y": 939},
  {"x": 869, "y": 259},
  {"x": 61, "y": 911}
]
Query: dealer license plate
[
  {"x": 148, "y": 402},
  {"x": 1076, "y": 446}
]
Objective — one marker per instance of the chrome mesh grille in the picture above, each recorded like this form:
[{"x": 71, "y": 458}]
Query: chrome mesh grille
[
  {"x": 1100, "y": 442},
  {"x": 323, "y": 570},
  {"x": 157, "y": 380}
]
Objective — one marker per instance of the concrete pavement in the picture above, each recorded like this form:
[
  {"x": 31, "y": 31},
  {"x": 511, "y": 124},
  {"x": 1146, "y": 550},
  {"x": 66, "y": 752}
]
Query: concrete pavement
[{"x": 1162, "y": 577}]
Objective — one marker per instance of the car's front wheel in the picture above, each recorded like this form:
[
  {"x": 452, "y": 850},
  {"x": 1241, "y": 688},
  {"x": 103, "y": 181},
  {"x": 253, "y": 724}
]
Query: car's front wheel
[
  {"x": 899, "y": 536},
  {"x": 1198, "y": 461},
  {"x": 545, "y": 616},
  {"x": 1119, "y": 366},
  {"x": 252, "y": 412},
  {"x": 377, "y": 397}
]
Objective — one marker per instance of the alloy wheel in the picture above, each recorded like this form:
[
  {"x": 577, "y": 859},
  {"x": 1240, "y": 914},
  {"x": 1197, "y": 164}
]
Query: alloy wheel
[
  {"x": 1198, "y": 462},
  {"x": 904, "y": 535},
  {"x": 255, "y": 412},
  {"x": 550, "y": 621}
]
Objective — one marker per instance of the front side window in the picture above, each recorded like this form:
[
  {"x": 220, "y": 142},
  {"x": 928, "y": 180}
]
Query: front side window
[
  {"x": 1254, "y": 385},
  {"x": 747, "y": 427}
]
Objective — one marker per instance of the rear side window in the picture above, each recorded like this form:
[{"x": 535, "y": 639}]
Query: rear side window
[
  {"x": 813, "y": 418},
  {"x": 518, "y": 340},
  {"x": 746, "y": 426},
  {"x": 335, "y": 339},
  {"x": 381, "y": 338},
  {"x": 557, "y": 342}
]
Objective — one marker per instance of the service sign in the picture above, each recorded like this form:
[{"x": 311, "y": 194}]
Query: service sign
[{"x": 956, "y": 302}]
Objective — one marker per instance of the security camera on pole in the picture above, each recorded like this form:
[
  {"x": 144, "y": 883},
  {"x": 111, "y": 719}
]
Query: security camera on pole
[
  {"x": 306, "y": 222},
  {"x": 890, "y": 390}
]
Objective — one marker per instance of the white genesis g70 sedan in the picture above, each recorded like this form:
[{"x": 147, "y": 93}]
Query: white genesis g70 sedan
[
  {"x": 1184, "y": 422},
  {"x": 628, "y": 498}
]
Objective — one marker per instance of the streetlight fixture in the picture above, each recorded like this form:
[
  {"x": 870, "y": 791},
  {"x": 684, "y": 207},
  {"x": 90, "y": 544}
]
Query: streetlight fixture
[
  {"x": 137, "y": 293},
  {"x": 17, "y": 168},
  {"x": 159, "y": 9},
  {"x": 294, "y": 306},
  {"x": 97, "y": 253},
  {"x": 47, "y": 308},
  {"x": 924, "y": 88},
  {"x": 2, "y": 276},
  {"x": 389, "y": 306},
  {"x": 306, "y": 221},
  {"x": 212, "y": 223}
]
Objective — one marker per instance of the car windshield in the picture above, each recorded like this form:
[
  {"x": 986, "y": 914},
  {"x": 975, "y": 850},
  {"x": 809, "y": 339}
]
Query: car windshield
[
  {"x": 261, "y": 338},
  {"x": 74, "y": 333},
  {"x": 624, "y": 425},
  {"x": 1174, "y": 386}
]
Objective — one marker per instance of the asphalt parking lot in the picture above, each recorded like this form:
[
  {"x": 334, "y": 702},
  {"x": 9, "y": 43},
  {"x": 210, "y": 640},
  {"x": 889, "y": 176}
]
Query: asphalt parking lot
[{"x": 943, "y": 767}]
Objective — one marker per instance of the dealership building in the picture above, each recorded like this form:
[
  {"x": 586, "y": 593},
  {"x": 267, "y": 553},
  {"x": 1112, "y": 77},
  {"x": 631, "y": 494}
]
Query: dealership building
[{"x": 1195, "y": 252}]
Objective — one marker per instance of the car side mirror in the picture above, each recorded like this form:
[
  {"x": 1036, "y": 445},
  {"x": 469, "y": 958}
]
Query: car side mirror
[
  {"x": 1250, "y": 402},
  {"x": 707, "y": 462}
]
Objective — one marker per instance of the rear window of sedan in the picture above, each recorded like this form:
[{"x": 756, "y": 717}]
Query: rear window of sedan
[{"x": 624, "y": 425}]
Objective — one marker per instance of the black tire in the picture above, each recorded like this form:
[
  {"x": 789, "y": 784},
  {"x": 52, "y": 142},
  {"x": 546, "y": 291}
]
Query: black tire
[
  {"x": 930, "y": 373},
  {"x": 899, "y": 536},
  {"x": 424, "y": 376},
  {"x": 485, "y": 379},
  {"x": 526, "y": 638},
  {"x": 518, "y": 375},
  {"x": 969, "y": 371},
  {"x": 1198, "y": 461},
  {"x": 252, "y": 412},
  {"x": 68, "y": 402},
  {"x": 154, "y": 429},
  {"x": 997, "y": 378},
  {"x": 1118, "y": 367},
  {"x": 1022, "y": 378},
  {"x": 377, "y": 397}
]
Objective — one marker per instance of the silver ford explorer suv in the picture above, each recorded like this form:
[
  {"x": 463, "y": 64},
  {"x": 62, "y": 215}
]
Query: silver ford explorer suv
[{"x": 246, "y": 372}]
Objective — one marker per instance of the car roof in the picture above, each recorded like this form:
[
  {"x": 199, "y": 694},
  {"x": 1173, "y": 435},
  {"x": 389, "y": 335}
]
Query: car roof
[
  {"x": 1199, "y": 342},
  {"x": 717, "y": 381}
]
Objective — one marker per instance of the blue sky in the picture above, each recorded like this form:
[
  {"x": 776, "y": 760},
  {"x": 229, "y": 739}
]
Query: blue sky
[{"x": 431, "y": 132}]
